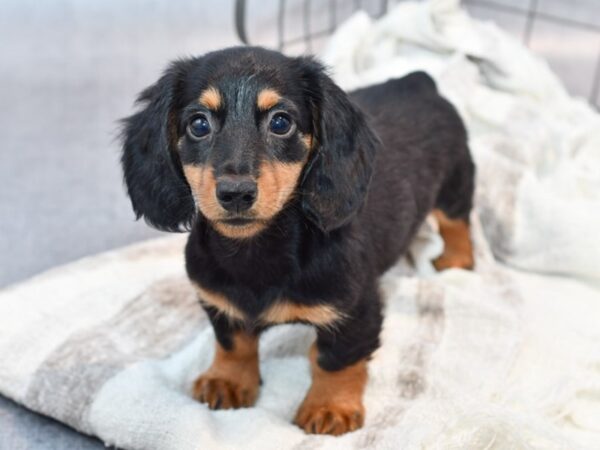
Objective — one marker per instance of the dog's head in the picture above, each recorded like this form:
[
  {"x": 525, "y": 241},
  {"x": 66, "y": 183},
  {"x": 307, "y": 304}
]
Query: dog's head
[{"x": 236, "y": 135}]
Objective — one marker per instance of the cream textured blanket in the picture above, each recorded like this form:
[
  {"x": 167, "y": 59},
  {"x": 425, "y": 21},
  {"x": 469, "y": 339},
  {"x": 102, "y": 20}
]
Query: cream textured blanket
[{"x": 505, "y": 357}]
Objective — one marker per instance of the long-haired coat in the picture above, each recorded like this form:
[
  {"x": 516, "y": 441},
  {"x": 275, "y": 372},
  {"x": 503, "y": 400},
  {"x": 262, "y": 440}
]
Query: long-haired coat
[{"x": 298, "y": 197}]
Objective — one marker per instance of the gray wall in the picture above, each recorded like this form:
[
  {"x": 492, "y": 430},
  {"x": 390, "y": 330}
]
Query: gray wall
[{"x": 69, "y": 70}]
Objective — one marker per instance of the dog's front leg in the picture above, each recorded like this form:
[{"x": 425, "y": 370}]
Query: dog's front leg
[
  {"x": 334, "y": 402},
  {"x": 233, "y": 379}
]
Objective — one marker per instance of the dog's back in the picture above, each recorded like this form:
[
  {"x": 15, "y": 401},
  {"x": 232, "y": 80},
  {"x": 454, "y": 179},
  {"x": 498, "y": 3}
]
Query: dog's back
[{"x": 423, "y": 164}]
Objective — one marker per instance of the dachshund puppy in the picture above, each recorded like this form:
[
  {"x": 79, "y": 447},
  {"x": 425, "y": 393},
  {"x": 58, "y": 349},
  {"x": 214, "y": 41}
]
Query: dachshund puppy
[{"x": 298, "y": 197}]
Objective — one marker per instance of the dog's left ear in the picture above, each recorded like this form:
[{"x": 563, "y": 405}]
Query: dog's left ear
[
  {"x": 337, "y": 176},
  {"x": 151, "y": 167}
]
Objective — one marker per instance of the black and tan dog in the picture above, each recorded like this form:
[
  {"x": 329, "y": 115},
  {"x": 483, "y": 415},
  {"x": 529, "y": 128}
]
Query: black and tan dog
[{"x": 298, "y": 197}]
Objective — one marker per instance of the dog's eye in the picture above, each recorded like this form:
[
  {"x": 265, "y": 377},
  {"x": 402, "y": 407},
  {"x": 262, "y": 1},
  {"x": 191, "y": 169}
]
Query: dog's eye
[
  {"x": 198, "y": 127},
  {"x": 280, "y": 124}
]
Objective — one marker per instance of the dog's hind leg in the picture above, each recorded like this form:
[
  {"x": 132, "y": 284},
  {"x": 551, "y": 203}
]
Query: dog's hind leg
[{"x": 452, "y": 209}]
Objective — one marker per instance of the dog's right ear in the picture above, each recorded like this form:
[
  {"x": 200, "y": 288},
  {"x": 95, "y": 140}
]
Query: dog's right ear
[
  {"x": 338, "y": 173},
  {"x": 151, "y": 166}
]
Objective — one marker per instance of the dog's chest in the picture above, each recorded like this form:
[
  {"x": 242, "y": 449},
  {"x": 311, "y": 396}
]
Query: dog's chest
[
  {"x": 256, "y": 311},
  {"x": 259, "y": 285}
]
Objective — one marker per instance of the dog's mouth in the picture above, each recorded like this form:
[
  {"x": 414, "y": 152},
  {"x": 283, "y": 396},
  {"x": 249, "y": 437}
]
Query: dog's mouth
[
  {"x": 239, "y": 227},
  {"x": 238, "y": 221}
]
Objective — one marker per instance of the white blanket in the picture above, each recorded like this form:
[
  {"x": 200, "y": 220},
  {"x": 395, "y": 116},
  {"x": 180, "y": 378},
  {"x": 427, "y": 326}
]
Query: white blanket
[{"x": 505, "y": 357}]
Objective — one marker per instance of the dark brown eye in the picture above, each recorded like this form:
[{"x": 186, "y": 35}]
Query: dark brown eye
[
  {"x": 280, "y": 124},
  {"x": 199, "y": 127}
]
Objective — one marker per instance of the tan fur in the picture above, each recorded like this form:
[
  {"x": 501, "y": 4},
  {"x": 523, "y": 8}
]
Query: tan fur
[
  {"x": 333, "y": 405},
  {"x": 211, "y": 98},
  {"x": 239, "y": 231},
  {"x": 458, "y": 249},
  {"x": 307, "y": 140},
  {"x": 203, "y": 185},
  {"x": 233, "y": 379},
  {"x": 219, "y": 302},
  {"x": 284, "y": 311},
  {"x": 267, "y": 98},
  {"x": 276, "y": 183}
]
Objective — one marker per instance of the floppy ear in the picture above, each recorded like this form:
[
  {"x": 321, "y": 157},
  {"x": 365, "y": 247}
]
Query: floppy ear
[
  {"x": 337, "y": 176},
  {"x": 151, "y": 166}
]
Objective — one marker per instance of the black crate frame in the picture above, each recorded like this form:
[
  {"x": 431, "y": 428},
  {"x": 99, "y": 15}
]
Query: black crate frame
[{"x": 531, "y": 12}]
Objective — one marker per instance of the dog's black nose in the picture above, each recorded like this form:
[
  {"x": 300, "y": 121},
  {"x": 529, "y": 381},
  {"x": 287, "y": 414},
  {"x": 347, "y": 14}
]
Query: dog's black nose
[{"x": 236, "y": 194}]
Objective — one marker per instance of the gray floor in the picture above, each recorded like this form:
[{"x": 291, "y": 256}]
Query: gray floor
[
  {"x": 23, "y": 430},
  {"x": 70, "y": 69}
]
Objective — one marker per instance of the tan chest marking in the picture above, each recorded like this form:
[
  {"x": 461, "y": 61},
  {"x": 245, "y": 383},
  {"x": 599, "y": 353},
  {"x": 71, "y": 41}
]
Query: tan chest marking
[
  {"x": 281, "y": 312},
  {"x": 219, "y": 302},
  {"x": 285, "y": 311}
]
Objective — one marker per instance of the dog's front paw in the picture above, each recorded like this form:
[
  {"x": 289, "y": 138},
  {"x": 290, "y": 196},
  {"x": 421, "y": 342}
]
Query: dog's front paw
[
  {"x": 220, "y": 393},
  {"x": 335, "y": 419}
]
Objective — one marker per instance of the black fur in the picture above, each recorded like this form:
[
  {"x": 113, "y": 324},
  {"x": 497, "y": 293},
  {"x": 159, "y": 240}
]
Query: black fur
[
  {"x": 155, "y": 182},
  {"x": 383, "y": 158},
  {"x": 336, "y": 182}
]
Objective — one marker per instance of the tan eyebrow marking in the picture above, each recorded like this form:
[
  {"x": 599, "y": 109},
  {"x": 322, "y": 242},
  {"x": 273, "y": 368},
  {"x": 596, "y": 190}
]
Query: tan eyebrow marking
[
  {"x": 267, "y": 98},
  {"x": 211, "y": 98}
]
